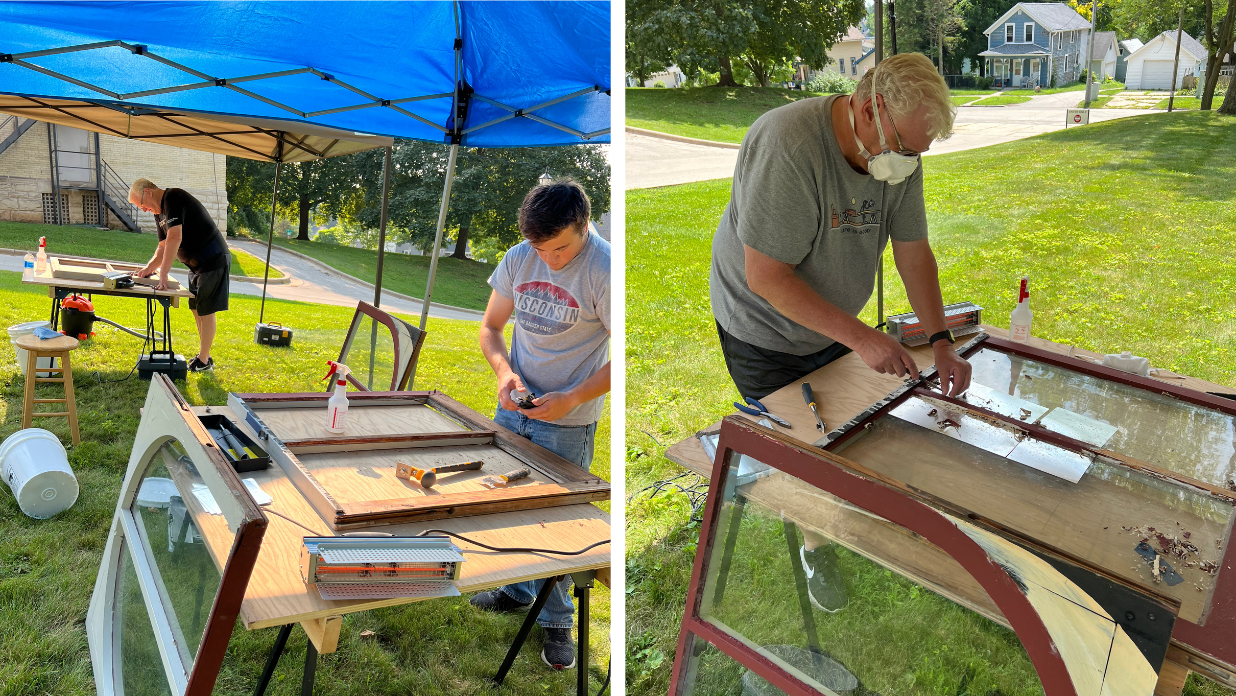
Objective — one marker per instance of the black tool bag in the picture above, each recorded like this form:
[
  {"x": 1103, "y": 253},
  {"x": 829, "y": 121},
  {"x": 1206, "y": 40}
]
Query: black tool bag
[{"x": 272, "y": 334}]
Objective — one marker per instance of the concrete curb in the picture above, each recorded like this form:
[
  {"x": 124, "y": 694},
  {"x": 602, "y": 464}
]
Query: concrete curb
[
  {"x": 331, "y": 270},
  {"x": 681, "y": 138},
  {"x": 240, "y": 279}
]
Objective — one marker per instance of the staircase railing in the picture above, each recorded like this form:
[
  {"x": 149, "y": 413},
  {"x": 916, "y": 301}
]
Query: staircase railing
[{"x": 117, "y": 190}]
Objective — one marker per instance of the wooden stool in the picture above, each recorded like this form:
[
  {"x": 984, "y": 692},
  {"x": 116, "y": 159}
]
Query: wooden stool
[{"x": 59, "y": 349}]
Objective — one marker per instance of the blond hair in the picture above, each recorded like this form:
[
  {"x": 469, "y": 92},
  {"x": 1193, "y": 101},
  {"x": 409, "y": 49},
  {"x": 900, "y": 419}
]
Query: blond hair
[
  {"x": 139, "y": 186},
  {"x": 906, "y": 81}
]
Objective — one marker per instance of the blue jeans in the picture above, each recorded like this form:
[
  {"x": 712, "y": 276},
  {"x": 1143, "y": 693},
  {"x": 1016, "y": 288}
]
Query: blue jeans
[{"x": 573, "y": 443}]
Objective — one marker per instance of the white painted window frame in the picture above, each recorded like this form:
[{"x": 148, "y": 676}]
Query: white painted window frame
[
  {"x": 1027, "y": 32},
  {"x": 1010, "y": 33},
  {"x": 165, "y": 418}
]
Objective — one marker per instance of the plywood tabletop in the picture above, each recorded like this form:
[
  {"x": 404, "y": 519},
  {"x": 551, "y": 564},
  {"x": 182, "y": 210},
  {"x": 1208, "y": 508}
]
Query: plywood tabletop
[
  {"x": 47, "y": 280},
  {"x": 277, "y": 595}
]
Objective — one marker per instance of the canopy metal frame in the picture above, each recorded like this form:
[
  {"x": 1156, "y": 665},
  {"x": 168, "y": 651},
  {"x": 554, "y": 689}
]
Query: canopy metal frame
[{"x": 453, "y": 132}]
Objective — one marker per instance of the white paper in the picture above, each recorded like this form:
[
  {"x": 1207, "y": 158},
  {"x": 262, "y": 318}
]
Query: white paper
[
  {"x": 202, "y": 493},
  {"x": 260, "y": 496}
]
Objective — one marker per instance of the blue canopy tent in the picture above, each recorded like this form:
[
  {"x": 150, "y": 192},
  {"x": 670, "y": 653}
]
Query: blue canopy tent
[{"x": 297, "y": 81}]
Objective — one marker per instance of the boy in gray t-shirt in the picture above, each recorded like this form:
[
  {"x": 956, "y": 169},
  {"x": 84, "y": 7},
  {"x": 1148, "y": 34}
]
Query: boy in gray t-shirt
[{"x": 556, "y": 283}]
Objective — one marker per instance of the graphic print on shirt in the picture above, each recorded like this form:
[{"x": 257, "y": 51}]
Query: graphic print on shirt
[
  {"x": 544, "y": 308},
  {"x": 862, "y": 221}
]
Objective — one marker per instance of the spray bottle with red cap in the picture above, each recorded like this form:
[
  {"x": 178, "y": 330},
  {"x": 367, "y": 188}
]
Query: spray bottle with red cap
[
  {"x": 40, "y": 261},
  {"x": 337, "y": 405},
  {"x": 1019, "y": 321}
]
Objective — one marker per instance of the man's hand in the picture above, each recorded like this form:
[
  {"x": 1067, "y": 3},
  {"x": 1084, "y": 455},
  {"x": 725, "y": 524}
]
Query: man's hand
[
  {"x": 506, "y": 383},
  {"x": 147, "y": 270},
  {"x": 552, "y": 406},
  {"x": 883, "y": 353},
  {"x": 954, "y": 370},
  {"x": 162, "y": 284}
]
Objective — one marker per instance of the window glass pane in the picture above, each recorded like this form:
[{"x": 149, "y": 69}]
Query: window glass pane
[
  {"x": 876, "y": 631},
  {"x": 1101, "y": 518},
  {"x": 371, "y": 354},
  {"x": 137, "y": 662},
  {"x": 710, "y": 672},
  {"x": 1192, "y": 440},
  {"x": 186, "y": 541}
]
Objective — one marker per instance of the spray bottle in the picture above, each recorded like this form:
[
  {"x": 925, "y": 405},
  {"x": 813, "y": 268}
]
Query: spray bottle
[
  {"x": 40, "y": 261},
  {"x": 337, "y": 405},
  {"x": 1019, "y": 321}
]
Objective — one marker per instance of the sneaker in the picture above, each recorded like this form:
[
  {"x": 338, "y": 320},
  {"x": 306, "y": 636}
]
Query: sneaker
[
  {"x": 496, "y": 600},
  {"x": 559, "y": 650},
  {"x": 196, "y": 364},
  {"x": 825, "y": 586}
]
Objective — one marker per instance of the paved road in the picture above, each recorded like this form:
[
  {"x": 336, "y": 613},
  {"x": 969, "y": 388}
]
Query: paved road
[
  {"x": 310, "y": 283},
  {"x": 656, "y": 162}
]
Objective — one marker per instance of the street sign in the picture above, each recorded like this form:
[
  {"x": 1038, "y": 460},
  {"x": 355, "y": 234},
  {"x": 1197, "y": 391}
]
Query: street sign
[{"x": 1076, "y": 117}]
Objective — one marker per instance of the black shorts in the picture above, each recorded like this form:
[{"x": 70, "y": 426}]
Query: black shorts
[
  {"x": 758, "y": 372},
  {"x": 210, "y": 288}
]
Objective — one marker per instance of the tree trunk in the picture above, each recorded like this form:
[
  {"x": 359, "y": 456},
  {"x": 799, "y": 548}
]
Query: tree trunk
[
  {"x": 461, "y": 243},
  {"x": 892, "y": 24},
  {"x": 726, "y": 75},
  {"x": 1216, "y": 51},
  {"x": 1228, "y": 108},
  {"x": 303, "y": 231},
  {"x": 640, "y": 73},
  {"x": 940, "y": 44},
  {"x": 757, "y": 69}
]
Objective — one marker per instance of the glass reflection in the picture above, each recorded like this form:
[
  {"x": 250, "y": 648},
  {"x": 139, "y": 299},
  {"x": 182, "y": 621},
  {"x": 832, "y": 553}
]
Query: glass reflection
[
  {"x": 173, "y": 510},
  {"x": 1167, "y": 432},
  {"x": 137, "y": 654},
  {"x": 371, "y": 354},
  {"x": 813, "y": 584}
]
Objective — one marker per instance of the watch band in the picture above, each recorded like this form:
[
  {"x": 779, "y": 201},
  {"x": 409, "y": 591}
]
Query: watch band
[{"x": 939, "y": 335}]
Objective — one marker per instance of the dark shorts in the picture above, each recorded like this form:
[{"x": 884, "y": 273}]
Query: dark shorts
[
  {"x": 210, "y": 288},
  {"x": 758, "y": 372}
]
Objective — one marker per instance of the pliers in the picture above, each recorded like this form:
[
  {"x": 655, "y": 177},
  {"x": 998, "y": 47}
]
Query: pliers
[{"x": 757, "y": 409}]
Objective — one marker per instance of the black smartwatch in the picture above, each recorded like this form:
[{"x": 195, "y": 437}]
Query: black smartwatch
[{"x": 939, "y": 335}]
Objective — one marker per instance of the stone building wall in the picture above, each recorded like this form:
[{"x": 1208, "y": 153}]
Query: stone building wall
[{"x": 25, "y": 175}]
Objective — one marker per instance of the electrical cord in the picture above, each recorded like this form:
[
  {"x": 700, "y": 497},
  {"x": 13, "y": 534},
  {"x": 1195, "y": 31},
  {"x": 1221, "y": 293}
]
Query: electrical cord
[
  {"x": 147, "y": 340},
  {"x": 500, "y": 549},
  {"x": 608, "y": 670}
]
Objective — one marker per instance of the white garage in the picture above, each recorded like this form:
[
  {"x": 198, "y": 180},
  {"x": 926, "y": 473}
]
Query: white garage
[{"x": 1150, "y": 67}]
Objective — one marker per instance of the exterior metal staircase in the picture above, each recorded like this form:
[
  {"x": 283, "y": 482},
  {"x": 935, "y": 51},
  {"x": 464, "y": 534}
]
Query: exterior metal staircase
[{"x": 12, "y": 128}]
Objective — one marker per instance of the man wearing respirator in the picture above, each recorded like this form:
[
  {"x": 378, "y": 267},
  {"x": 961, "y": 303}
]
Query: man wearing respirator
[{"x": 820, "y": 187}]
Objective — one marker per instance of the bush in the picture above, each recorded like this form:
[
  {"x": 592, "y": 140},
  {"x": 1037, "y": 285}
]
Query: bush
[
  {"x": 659, "y": 83},
  {"x": 985, "y": 82},
  {"x": 831, "y": 83}
]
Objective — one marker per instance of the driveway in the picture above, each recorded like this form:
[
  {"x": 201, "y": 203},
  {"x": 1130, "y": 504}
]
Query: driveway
[{"x": 655, "y": 162}]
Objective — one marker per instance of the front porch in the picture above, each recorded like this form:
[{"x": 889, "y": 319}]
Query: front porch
[{"x": 1020, "y": 71}]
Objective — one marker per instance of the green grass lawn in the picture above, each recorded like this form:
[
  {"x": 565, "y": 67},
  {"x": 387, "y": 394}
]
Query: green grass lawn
[
  {"x": 1128, "y": 241},
  {"x": 711, "y": 113},
  {"x": 48, "y": 567},
  {"x": 971, "y": 92},
  {"x": 113, "y": 245},
  {"x": 1001, "y": 100},
  {"x": 1185, "y": 103},
  {"x": 962, "y": 101},
  {"x": 1071, "y": 87},
  {"x": 459, "y": 283}
]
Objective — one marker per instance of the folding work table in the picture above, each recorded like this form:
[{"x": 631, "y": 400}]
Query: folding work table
[{"x": 881, "y": 492}]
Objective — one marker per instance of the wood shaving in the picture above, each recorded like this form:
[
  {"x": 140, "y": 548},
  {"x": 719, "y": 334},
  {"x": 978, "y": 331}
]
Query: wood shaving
[
  {"x": 932, "y": 413},
  {"x": 366, "y": 634},
  {"x": 1025, "y": 413},
  {"x": 948, "y": 423},
  {"x": 1156, "y": 572}
]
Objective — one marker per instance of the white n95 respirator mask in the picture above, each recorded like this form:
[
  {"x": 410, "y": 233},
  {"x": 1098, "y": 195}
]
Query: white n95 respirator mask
[{"x": 888, "y": 166}]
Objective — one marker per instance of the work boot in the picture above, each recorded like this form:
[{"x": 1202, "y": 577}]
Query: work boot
[
  {"x": 196, "y": 364},
  {"x": 496, "y": 600},
  {"x": 825, "y": 586},
  {"x": 559, "y": 650}
]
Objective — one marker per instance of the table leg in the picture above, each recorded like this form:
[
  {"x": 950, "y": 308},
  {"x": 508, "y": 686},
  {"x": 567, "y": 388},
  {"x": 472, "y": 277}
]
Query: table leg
[
  {"x": 800, "y": 584},
  {"x": 273, "y": 659},
  {"x": 311, "y": 669},
  {"x": 541, "y": 598},
  {"x": 727, "y": 554},
  {"x": 583, "y": 585}
]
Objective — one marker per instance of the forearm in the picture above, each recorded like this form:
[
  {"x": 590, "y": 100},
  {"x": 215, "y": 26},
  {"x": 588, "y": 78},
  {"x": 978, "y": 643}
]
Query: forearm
[
  {"x": 594, "y": 387},
  {"x": 800, "y": 303},
  {"x": 157, "y": 259},
  {"x": 493, "y": 347},
  {"x": 921, "y": 277},
  {"x": 169, "y": 255}
]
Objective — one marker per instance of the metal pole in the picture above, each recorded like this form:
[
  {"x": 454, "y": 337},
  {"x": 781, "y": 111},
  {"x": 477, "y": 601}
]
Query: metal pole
[
  {"x": 386, "y": 195},
  {"x": 437, "y": 242},
  {"x": 879, "y": 52},
  {"x": 879, "y": 31},
  {"x": 1171, "y": 98},
  {"x": 98, "y": 181},
  {"x": 1094, "y": 11},
  {"x": 270, "y": 237},
  {"x": 55, "y": 173}
]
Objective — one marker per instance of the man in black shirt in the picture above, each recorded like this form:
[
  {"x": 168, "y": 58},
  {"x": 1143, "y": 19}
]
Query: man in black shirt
[{"x": 187, "y": 233}]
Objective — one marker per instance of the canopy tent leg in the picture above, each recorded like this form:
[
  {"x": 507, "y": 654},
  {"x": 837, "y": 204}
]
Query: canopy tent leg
[
  {"x": 270, "y": 240},
  {"x": 386, "y": 195},
  {"x": 437, "y": 241}
]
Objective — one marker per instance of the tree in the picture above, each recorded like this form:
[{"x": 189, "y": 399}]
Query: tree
[
  {"x": 976, "y": 16},
  {"x": 489, "y": 186},
  {"x": 303, "y": 186},
  {"x": 1217, "y": 45},
  {"x": 1228, "y": 107},
  {"x": 802, "y": 29},
  {"x": 943, "y": 20},
  {"x": 646, "y": 49}
]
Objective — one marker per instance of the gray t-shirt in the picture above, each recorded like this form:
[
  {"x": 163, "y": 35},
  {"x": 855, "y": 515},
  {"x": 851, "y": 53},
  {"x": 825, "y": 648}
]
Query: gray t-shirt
[
  {"x": 561, "y": 335},
  {"x": 796, "y": 199}
]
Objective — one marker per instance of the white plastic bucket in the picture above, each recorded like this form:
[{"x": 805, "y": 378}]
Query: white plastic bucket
[
  {"x": 17, "y": 331},
  {"x": 36, "y": 467}
]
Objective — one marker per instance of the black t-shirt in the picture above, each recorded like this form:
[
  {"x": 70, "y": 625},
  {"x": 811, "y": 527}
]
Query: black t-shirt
[{"x": 200, "y": 240}]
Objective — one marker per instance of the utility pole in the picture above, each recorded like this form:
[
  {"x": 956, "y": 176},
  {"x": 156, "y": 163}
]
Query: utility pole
[
  {"x": 1171, "y": 98},
  {"x": 892, "y": 25},
  {"x": 879, "y": 31},
  {"x": 1094, "y": 11}
]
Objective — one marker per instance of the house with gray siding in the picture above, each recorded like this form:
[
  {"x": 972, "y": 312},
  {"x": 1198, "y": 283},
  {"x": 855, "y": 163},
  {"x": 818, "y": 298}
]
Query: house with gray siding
[{"x": 1034, "y": 43}]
